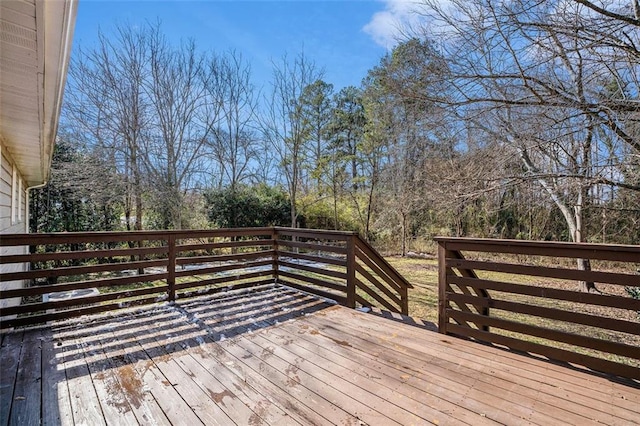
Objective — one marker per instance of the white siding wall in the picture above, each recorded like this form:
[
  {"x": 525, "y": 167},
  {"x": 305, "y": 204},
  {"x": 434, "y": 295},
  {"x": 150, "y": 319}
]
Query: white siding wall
[{"x": 13, "y": 218}]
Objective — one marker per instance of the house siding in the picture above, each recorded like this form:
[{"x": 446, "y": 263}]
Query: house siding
[{"x": 15, "y": 223}]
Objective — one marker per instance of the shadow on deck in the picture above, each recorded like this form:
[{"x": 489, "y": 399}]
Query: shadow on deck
[{"x": 271, "y": 355}]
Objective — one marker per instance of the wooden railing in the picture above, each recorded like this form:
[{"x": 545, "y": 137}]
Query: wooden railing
[
  {"x": 113, "y": 270},
  {"x": 525, "y": 295},
  {"x": 340, "y": 266}
]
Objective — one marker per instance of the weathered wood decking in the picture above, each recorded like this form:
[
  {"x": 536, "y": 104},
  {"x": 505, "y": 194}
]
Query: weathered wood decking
[{"x": 271, "y": 355}]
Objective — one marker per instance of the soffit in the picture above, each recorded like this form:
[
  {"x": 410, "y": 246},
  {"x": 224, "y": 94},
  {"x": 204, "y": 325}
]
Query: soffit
[{"x": 35, "y": 40}]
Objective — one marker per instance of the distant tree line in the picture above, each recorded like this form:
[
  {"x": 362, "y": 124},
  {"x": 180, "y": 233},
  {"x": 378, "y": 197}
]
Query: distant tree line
[{"x": 498, "y": 119}]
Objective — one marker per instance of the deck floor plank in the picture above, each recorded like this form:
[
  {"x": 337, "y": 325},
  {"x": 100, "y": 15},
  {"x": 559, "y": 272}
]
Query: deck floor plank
[
  {"x": 492, "y": 375},
  {"x": 561, "y": 374},
  {"x": 312, "y": 404},
  {"x": 450, "y": 386},
  {"x": 338, "y": 391},
  {"x": 272, "y": 355},
  {"x": 422, "y": 373},
  {"x": 111, "y": 395},
  {"x": 541, "y": 375},
  {"x": 142, "y": 376},
  {"x": 10, "y": 355},
  {"x": 56, "y": 402},
  {"x": 264, "y": 380},
  {"x": 370, "y": 369},
  {"x": 143, "y": 404},
  {"x": 459, "y": 365},
  {"x": 591, "y": 398},
  {"x": 213, "y": 404},
  {"x": 391, "y": 404},
  {"x": 216, "y": 379},
  {"x": 27, "y": 401},
  {"x": 85, "y": 405},
  {"x": 238, "y": 365}
]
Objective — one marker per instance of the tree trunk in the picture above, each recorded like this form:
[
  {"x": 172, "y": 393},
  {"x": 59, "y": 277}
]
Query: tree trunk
[
  {"x": 583, "y": 264},
  {"x": 335, "y": 210},
  {"x": 573, "y": 219},
  {"x": 403, "y": 233}
]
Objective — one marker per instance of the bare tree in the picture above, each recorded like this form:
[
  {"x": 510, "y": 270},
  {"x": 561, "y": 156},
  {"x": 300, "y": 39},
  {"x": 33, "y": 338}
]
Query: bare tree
[
  {"x": 106, "y": 106},
  {"x": 176, "y": 88},
  {"x": 283, "y": 123},
  {"x": 234, "y": 142},
  {"x": 147, "y": 104},
  {"x": 530, "y": 75}
]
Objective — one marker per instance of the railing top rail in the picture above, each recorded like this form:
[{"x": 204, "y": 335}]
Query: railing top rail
[
  {"x": 534, "y": 243},
  {"x": 628, "y": 253},
  {"x": 323, "y": 232},
  {"x": 57, "y": 237},
  {"x": 61, "y": 237}
]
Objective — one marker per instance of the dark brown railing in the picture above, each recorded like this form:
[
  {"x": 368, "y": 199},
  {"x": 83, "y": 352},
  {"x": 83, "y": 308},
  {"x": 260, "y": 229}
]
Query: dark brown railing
[
  {"x": 525, "y": 295},
  {"x": 113, "y": 270}
]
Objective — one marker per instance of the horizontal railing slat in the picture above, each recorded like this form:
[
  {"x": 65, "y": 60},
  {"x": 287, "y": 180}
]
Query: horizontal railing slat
[
  {"x": 548, "y": 272},
  {"x": 79, "y": 285},
  {"x": 551, "y": 293},
  {"x": 318, "y": 259},
  {"x": 323, "y": 234},
  {"x": 79, "y": 238},
  {"x": 192, "y": 234},
  {"x": 124, "y": 236},
  {"x": 214, "y": 290},
  {"x": 224, "y": 268},
  {"x": 73, "y": 313},
  {"x": 550, "y": 313},
  {"x": 85, "y": 254},
  {"x": 328, "y": 272},
  {"x": 327, "y": 295},
  {"x": 222, "y": 280},
  {"x": 33, "y": 307},
  {"x": 550, "y": 334},
  {"x": 223, "y": 257},
  {"x": 315, "y": 281},
  {"x": 313, "y": 246},
  {"x": 79, "y": 270},
  {"x": 181, "y": 248}
]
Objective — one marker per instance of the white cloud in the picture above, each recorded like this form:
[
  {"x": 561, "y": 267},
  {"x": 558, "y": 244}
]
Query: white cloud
[
  {"x": 401, "y": 19},
  {"x": 391, "y": 25}
]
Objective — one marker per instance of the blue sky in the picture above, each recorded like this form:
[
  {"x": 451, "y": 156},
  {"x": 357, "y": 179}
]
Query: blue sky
[{"x": 346, "y": 38}]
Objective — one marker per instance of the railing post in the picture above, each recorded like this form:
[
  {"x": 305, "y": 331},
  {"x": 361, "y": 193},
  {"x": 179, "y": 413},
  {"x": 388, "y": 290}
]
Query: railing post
[
  {"x": 404, "y": 299},
  {"x": 274, "y": 236},
  {"x": 351, "y": 271},
  {"x": 171, "y": 267},
  {"x": 442, "y": 289}
]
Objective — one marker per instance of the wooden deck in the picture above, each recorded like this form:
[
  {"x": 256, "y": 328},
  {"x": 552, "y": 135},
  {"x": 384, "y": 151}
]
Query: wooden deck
[{"x": 271, "y": 355}]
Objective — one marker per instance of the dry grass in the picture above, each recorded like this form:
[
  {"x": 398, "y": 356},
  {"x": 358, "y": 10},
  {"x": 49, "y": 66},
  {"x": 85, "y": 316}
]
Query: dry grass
[{"x": 423, "y": 274}]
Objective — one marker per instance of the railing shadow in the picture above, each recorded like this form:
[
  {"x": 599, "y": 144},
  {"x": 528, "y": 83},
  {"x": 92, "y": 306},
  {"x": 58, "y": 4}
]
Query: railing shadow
[
  {"x": 404, "y": 319},
  {"x": 115, "y": 341}
]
